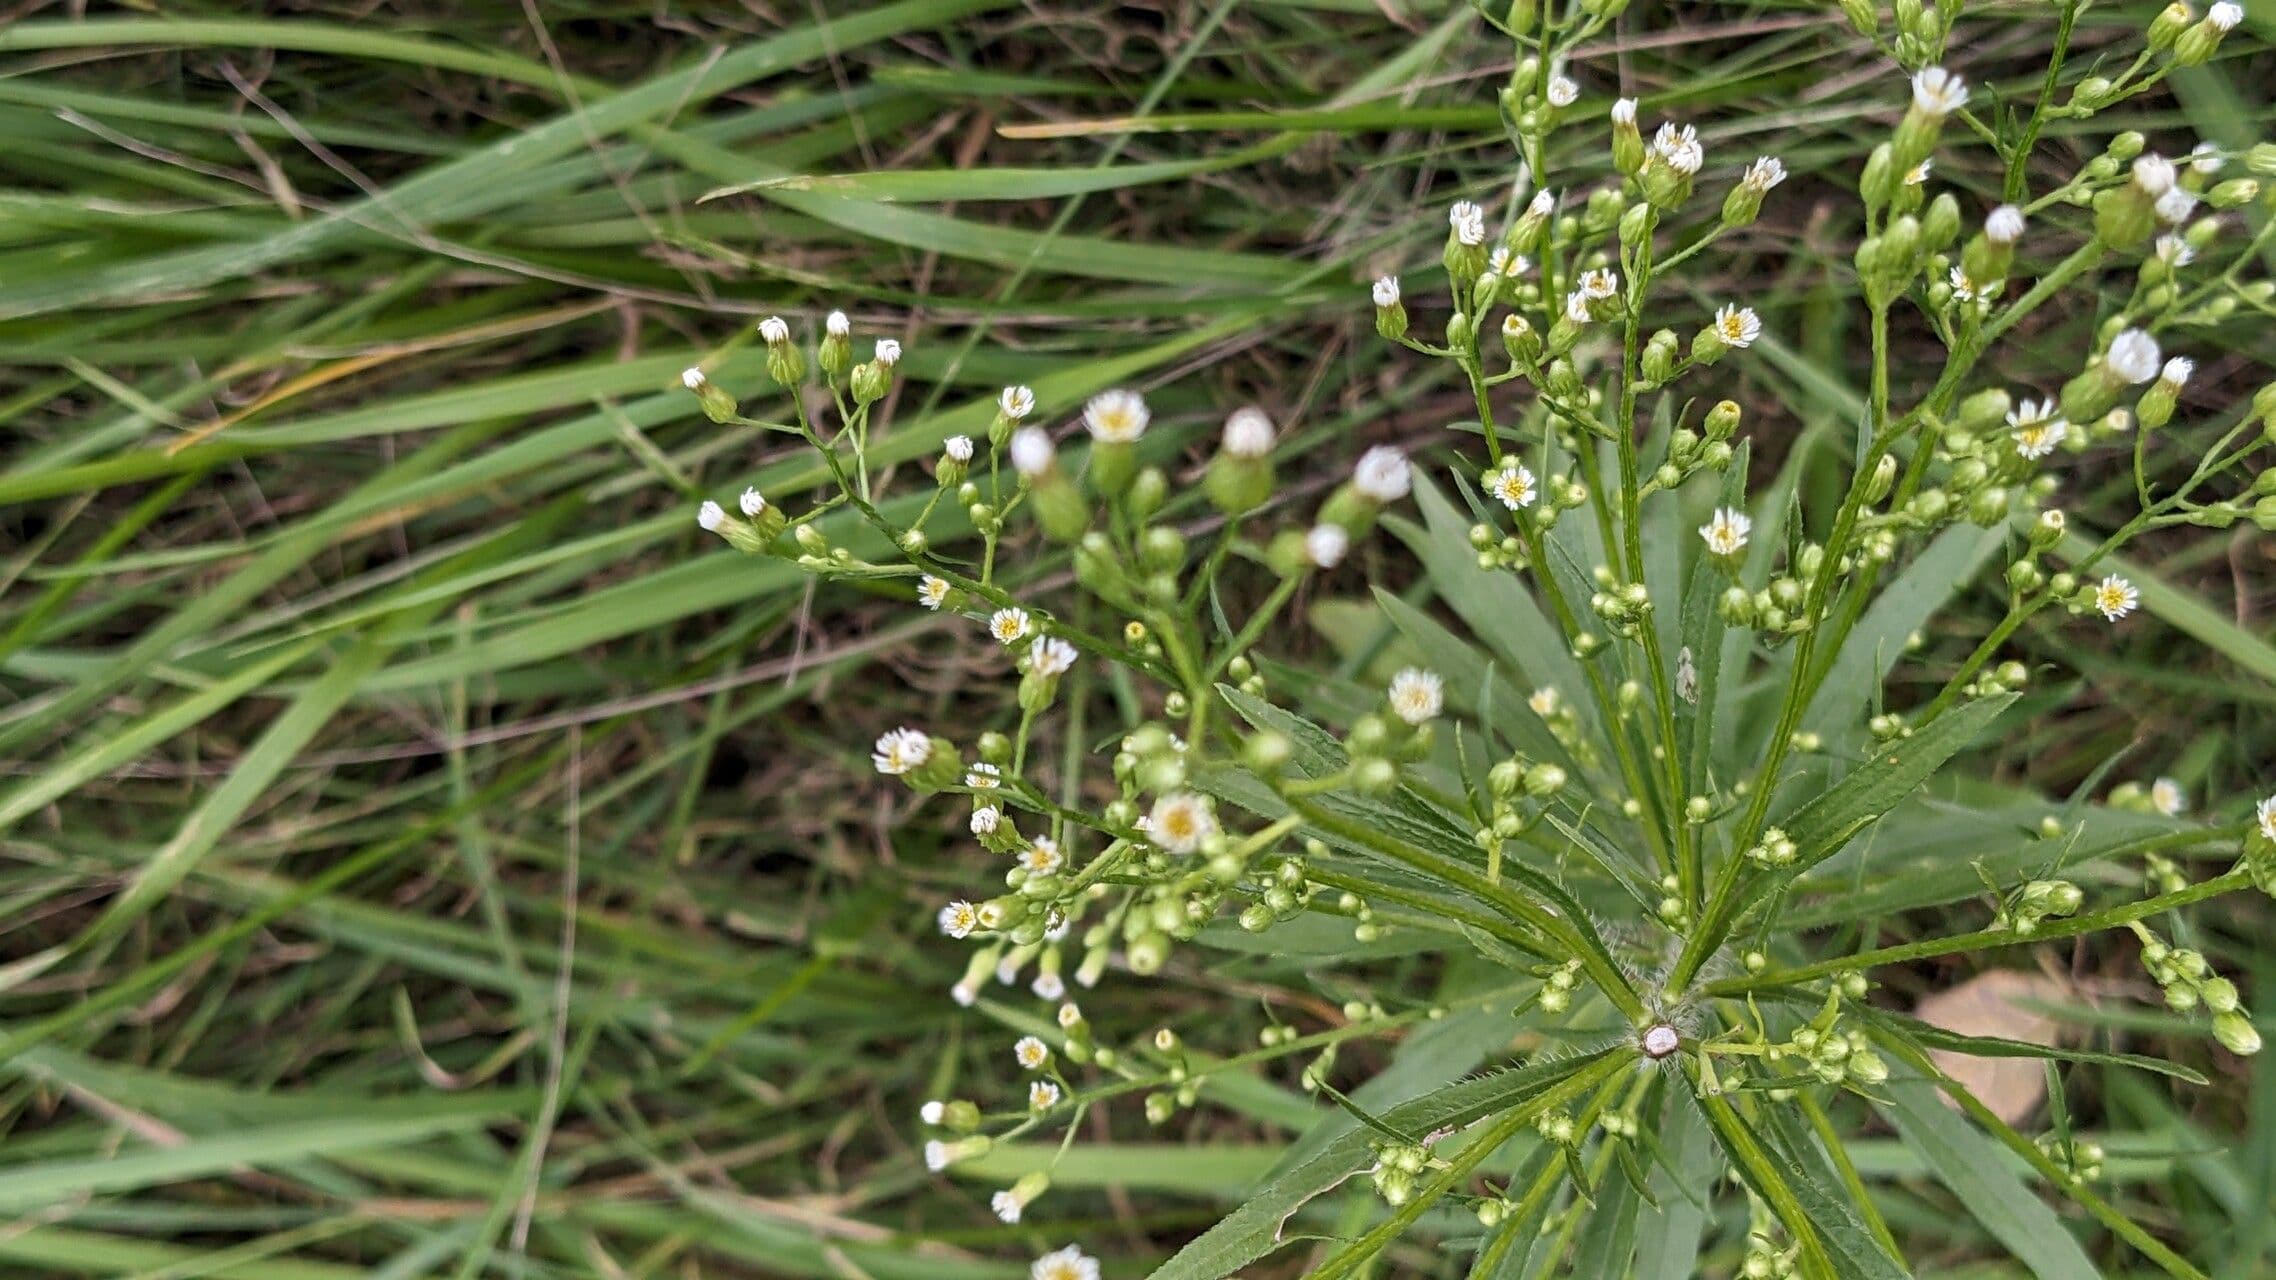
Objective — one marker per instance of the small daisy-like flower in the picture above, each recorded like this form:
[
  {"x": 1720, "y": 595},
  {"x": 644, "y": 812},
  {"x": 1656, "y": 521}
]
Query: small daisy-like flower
[
  {"x": 1623, "y": 111},
  {"x": 1737, "y": 326},
  {"x": 2038, "y": 438},
  {"x": 1659, "y": 1040},
  {"x": 1015, "y": 403},
  {"x": 2005, "y": 225},
  {"x": 959, "y": 918},
  {"x": 1600, "y": 282},
  {"x": 2175, "y": 206},
  {"x": 1937, "y": 92},
  {"x": 2205, "y": 158},
  {"x": 1962, "y": 287},
  {"x": 933, "y": 1112},
  {"x": 937, "y": 1155},
  {"x": 1576, "y": 307},
  {"x": 1502, "y": 262},
  {"x": 2224, "y": 16},
  {"x": 1678, "y": 146},
  {"x": 1180, "y": 822},
  {"x": 1766, "y": 172},
  {"x": 983, "y": 776},
  {"x": 900, "y": 750},
  {"x": 1382, "y": 474},
  {"x": 1325, "y": 545},
  {"x": 1248, "y": 433},
  {"x": 2153, "y": 173},
  {"x": 888, "y": 352},
  {"x": 965, "y": 995},
  {"x": 1919, "y": 173},
  {"x": 931, "y": 591},
  {"x": 711, "y": 515},
  {"x": 2167, "y": 798},
  {"x": 1042, "y": 858},
  {"x": 1515, "y": 486},
  {"x": 2114, "y": 597},
  {"x": 1417, "y": 696},
  {"x": 1048, "y": 986},
  {"x": 958, "y": 448},
  {"x": 986, "y": 819},
  {"x": 1726, "y": 534},
  {"x": 836, "y": 324},
  {"x": 1010, "y": 626},
  {"x": 1116, "y": 417},
  {"x": 1031, "y": 1053},
  {"x": 1070, "y": 1013},
  {"x": 2174, "y": 251},
  {"x": 1006, "y": 1207},
  {"x": 2133, "y": 356},
  {"x": 772, "y": 330},
  {"x": 693, "y": 379},
  {"x": 1032, "y": 451},
  {"x": 1050, "y": 656},
  {"x": 1543, "y": 701},
  {"x": 1069, "y": 1263},
  {"x": 753, "y": 503},
  {"x": 1468, "y": 222},
  {"x": 2264, "y": 814},
  {"x": 1042, "y": 1095},
  {"x": 2177, "y": 371},
  {"x": 1386, "y": 291},
  {"x": 1563, "y": 92}
]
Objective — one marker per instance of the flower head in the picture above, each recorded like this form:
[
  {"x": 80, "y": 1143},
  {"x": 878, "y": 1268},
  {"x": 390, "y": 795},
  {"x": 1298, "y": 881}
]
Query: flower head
[
  {"x": 2205, "y": 158},
  {"x": 1042, "y": 1095},
  {"x": 1737, "y": 326},
  {"x": 900, "y": 750},
  {"x": 1015, "y": 403},
  {"x": 1624, "y": 111},
  {"x": 772, "y": 330},
  {"x": 1069, "y": 1263},
  {"x": 1599, "y": 282},
  {"x": 1010, "y": 626},
  {"x": 2174, "y": 251},
  {"x": 1180, "y": 822},
  {"x": 1766, "y": 172},
  {"x": 1042, "y": 858},
  {"x": 1006, "y": 1206},
  {"x": 2114, "y": 597},
  {"x": 2264, "y": 815},
  {"x": 1386, "y": 291},
  {"x": 1050, "y": 656},
  {"x": 1515, "y": 486},
  {"x": 986, "y": 819},
  {"x": 1248, "y": 433},
  {"x": 1576, "y": 307},
  {"x": 1468, "y": 222},
  {"x": 2167, "y": 797},
  {"x": 2133, "y": 356},
  {"x": 2177, "y": 371},
  {"x": 1048, "y": 986},
  {"x": 1032, "y": 451},
  {"x": 1543, "y": 701},
  {"x": 1382, "y": 474},
  {"x": 1678, "y": 146},
  {"x": 692, "y": 378},
  {"x": 711, "y": 515},
  {"x": 2153, "y": 173},
  {"x": 2038, "y": 428},
  {"x": 1962, "y": 287},
  {"x": 2175, "y": 206},
  {"x": 2004, "y": 225},
  {"x": 1030, "y": 1053},
  {"x": 1325, "y": 545},
  {"x": 1417, "y": 696},
  {"x": 2224, "y": 16},
  {"x": 957, "y": 448},
  {"x": 1502, "y": 262},
  {"x": 1726, "y": 534},
  {"x": 983, "y": 776},
  {"x": 959, "y": 918},
  {"x": 888, "y": 352},
  {"x": 1937, "y": 92},
  {"x": 1116, "y": 417},
  {"x": 836, "y": 324},
  {"x": 1562, "y": 91},
  {"x": 931, "y": 591}
]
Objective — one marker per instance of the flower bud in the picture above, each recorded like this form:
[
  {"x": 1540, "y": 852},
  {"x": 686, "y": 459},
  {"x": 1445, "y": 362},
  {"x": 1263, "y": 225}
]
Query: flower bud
[{"x": 2236, "y": 1033}]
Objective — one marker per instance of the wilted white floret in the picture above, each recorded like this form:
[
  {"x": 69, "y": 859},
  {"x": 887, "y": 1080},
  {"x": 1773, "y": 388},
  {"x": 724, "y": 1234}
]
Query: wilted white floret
[
  {"x": 1180, "y": 822},
  {"x": 1766, "y": 172},
  {"x": 1326, "y": 544},
  {"x": 693, "y": 379},
  {"x": 1919, "y": 173},
  {"x": 888, "y": 352},
  {"x": 2167, "y": 798},
  {"x": 772, "y": 330},
  {"x": 1937, "y": 92},
  {"x": 900, "y": 750},
  {"x": 2005, "y": 225},
  {"x": 1386, "y": 291},
  {"x": 2264, "y": 814},
  {"x": 2224, "y": 16},
  {"x": 1010, "y": 626},
  {"x": 1678, "y": 145},
  {"x": 1468, "y": 222},
  {"x": 2174, "y": 251},
  {"x": 1248, "y": 433},
  {"x": 1563, "y": 92},
  {"x": 1726, "y": 533},
  {"x": 1069, "y": 1263},
  {"x": 2114, "y": 597},
  {"x": 2153, "y": 173},
  {"x": 933, "y": 1112},
  {"x": 753, "y": 503},
  {"x": 1031, "y": 1053},
  {"x": 958, "y": 448},
  {"x": 1116, "y": 417},
  {"x": 1576, "y": 307},
  {"x": 964, "y": 994},
  {"x": 958, "y": 919},
  {"x": 2177, "y": 371},
  {"x": 836, "y": 324},
  {"x": 1006, "y": 1207},
  {"x": 986, "y": 819},
  {"x": 1048, "y": 986},
  {"x": 1962, "y": 287},
  {"x": 1016, "y": 402},
  {"x": 1050, "y": 656},
  {"x": 1042, "y": 1095},
  {"x": 1382, "y": 474},
  {"x": 1738, "y": 326},
  {"x": 1624, "y": 111},
  {"x": 2133, "y": 356},
  {"x": 937, "y": 1155},
  {"x": 1416, "y": 695},
  {"x": 1515, "y": 486},
  {"x": 711, "y": 515},
  {"x": 2175, "y": 205},
  {"x": 2205, "y": 158},
  {"x": 1032, "y": 451},
  {"x": 931, "y": 591}
]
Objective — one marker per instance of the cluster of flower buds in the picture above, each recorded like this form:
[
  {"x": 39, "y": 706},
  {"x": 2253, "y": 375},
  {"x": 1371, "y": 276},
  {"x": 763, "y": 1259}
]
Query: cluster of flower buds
[
  {"x": 1764, "y": 1260},
  {"x": 1397, "y": 1165},
  {"x": 2037, "y": 902},
  {"x": 1774, "y": 848},
  {"x": 1509, "y": 784},
  {"x": 1690, "y": 453},
  {"x": 2190, "y": 983},
  {"x": 2187, "y": 39},
  {"x": 1822, "y": 1050},
  {"x": 2080, "y": 1159},
  {"x": 1557, "y": 983}
]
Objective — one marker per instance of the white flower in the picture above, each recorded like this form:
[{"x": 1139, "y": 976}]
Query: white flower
[
  {"x": 1069, "y": 1263},
  {"x": 2038, "y": 439},
  {"x": 2174, "y": 206},
  {"x": 938, "y": 1155},
  {"x": 1624, "y": 112},
  {"x": 1541, "y": 204},
  {"x": 1600, "y": 282},
  {"x": 1048, "y": 986},
  {"x": 900, "y": 750},
  {"x": 2153, "y": 173},
  {"x": 2167, "y": 798},
  {"x": 1919, "y": 173},
  {"x": 1042, "y": 1095},
  {"x": 1725, "y": 534},
  {"x": 753, "y": 503},
  {"x": 2205, "y": 158},
  {"x": 693, "y": 379},
  {"x": 1015, "y": 402},
  {"x": 1543, "y": 701},
  {"x": 933, "y": 1112},
  {"x": 931, "y": 591},
  {"x": 1382, "y": 474},
  {"x": 1030, "y": 1053},
  {"x": 1032, "y": 451},
  {"x": 1678, "y": 146},
  {"x": 837, "y": 325},
  {"x": 1180, "y": 823},
  {"x": 711, "y": 515},
  {"x": 2005, "y": 225},
  {"x": 1070, "y": 1013},
  {"x": 1248, "y": 433},
  {"x": 1766, "y": 172},
  {"x": 1006, "y": 1206},
  {"x": 1050, "y": 656},
  {"x": 1010, "y": 626},
  {"x": 1506, "y": 264},
  {"x": 1386, "y": 291},
  {"x": 964, "y": 994},
  {"x": 1116, "y": 417},
  {"x": 2177, "y": 371},
  {"x": 992, "y": 916},
  {"x": 1417, "y": 695},
  {"x": 1042, "y": 857},
  {"x": 985, "y": 819},
  {"x": 1515, "y": 486},
  {"x": 1468, "y": 222},
  {"x": 2174, "y": 251},
  {"x": 772, "y": 330},
  {"x": 2224, "y": 16},
  {"x": 2264, "y": 813},
  {"x": 2114, "y": 597},
  {"x": 1576, "y": 307},
  {"x": 888, "y": 352},
  {"x": 2133, "y": 356},
  {"x": 983, "y": 776},
  {"x": 1738, "y": 326},
  {"x": 1962, "y": 287},
  {"x": 1325, "y": 545},
  {"x": 1563, "y": 92},
  {"x": 958, "y": 448},
  {"x": 959, "y": 918},
  {"x": 1937, "y": 92}
]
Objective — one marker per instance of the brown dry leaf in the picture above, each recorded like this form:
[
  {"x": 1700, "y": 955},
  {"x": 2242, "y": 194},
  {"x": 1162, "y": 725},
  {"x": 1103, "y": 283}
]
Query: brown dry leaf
[{"x": 1995, "y": 1003}]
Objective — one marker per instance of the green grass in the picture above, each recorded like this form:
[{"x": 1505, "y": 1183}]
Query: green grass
[{"x": 422, "y": 853}]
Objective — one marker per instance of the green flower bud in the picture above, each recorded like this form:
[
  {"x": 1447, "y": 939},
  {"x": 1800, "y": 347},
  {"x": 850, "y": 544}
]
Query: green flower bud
[{"x": 2236, "y": 1033}]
